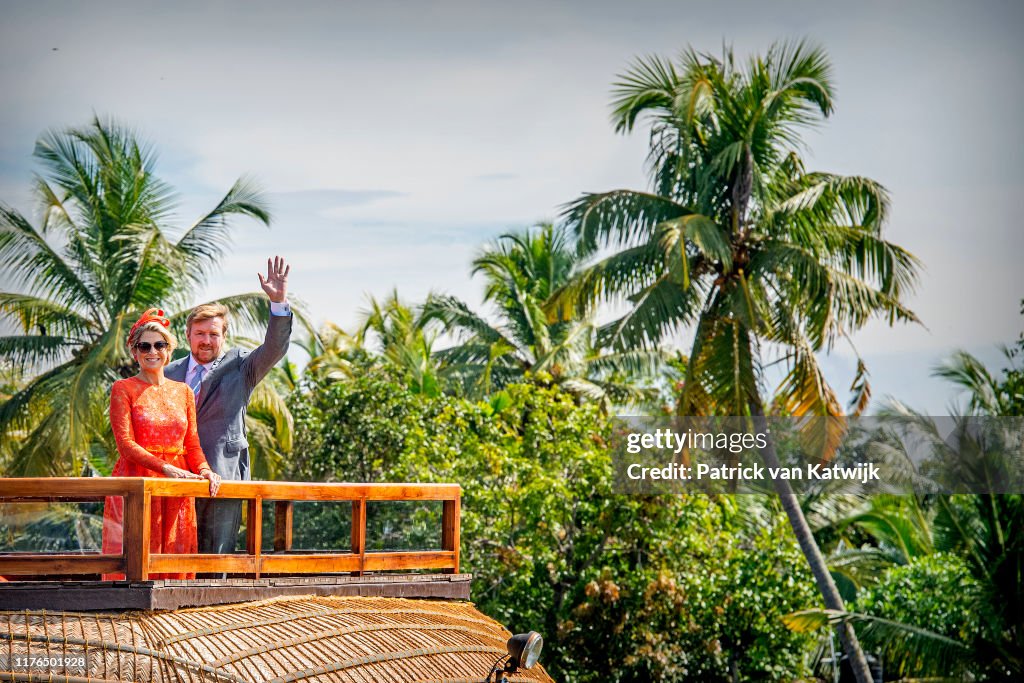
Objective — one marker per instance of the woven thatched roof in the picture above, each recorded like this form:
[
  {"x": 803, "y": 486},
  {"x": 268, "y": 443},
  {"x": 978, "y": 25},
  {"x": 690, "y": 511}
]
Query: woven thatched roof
[{"x": 314, "y": 639}]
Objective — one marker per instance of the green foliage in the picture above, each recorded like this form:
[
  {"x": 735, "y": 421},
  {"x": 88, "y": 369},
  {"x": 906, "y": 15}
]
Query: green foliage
[
  {"x": 406, "y": 340},
  {"x": 984, "y": 530},
  {"x": 956, "y": 602},
  {"x": 935, "y": 592},
  {"x": 355, "y": 430},
  {"x": 1012, "y": 385},
  {"x": 51, "y": 527},
  {"x": 549, "y": 546},
  {"x": 709, "y": 605}
]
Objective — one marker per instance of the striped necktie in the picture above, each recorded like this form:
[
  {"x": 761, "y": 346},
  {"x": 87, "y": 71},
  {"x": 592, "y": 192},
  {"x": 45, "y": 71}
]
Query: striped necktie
[{"x": 197, "y": 379}]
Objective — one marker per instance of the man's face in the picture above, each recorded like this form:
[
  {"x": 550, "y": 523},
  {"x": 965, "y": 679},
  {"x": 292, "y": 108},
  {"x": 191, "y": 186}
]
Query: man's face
[{"x": 205, "y": 338}]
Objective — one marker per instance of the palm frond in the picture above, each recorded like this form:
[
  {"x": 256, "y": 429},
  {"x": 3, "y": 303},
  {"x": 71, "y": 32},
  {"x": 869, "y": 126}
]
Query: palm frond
[
  {"x": 970, "y": 375},
  {"x": 907, "y": 650},
  {"x": 725, "y": 369},
  {"x": 858, "y": 567},
  {"x": 456, "y": 316},
  {"x": 831, "y": 300},
  {"x": 656, "y": 310},
  {"x": 650, "y": 83},
  {"x": 633, "y": 363},
  {"x": 711, "y": 242},
  {"x": 143, "y": 271},
  {"x": 38, "y": 314},
  {"x": 205, "y": 243},
  {"x": 804, "y": 73},
  {"x": 860, "y": 389},
  {"x": 36, "y": 350},
  {"x": 618, "y": 275},
  {"x": 269, "y": 405},
  {"x": 32, "y": 263},
  {"x": 619, "y": 218}
]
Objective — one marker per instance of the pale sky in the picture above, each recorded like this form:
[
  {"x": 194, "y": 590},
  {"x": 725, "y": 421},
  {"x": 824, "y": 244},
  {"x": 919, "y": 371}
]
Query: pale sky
[{"x": 397, "y": 139}]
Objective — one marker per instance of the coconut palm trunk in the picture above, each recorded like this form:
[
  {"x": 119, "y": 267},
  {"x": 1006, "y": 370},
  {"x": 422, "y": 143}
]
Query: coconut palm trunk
[{"x": 811, "y": 551}]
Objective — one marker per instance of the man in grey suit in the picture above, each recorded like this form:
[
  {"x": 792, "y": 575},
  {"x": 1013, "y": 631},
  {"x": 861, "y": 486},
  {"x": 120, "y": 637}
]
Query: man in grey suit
[{"x": 223, "y": 381}]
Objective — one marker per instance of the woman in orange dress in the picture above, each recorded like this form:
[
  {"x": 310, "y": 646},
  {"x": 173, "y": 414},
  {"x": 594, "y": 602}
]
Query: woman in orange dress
[{"x": 154, "y": 422}]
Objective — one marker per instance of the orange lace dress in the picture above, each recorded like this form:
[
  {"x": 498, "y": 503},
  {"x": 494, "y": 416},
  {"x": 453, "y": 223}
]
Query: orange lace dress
[{"x": 154, "y": 425}]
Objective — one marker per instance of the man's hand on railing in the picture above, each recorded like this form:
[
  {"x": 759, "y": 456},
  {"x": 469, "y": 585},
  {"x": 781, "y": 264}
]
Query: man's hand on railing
[{"x": 214, "y": 479}]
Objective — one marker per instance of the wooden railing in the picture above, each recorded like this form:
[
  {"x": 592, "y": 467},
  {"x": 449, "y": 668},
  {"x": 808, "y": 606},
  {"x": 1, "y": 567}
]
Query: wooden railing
[{"x": 136, "y": 561}]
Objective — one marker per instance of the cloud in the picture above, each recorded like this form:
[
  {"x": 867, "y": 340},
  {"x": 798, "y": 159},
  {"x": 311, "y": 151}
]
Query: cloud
[
  {"x": 323, "y": 202},
  {"x": 487, "y": 177}
]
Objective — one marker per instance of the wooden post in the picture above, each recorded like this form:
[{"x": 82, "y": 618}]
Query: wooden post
[
  {"x": 254, "y": 531},
  {"x": 283, "y": 512},
  {"x": 135, "y": 532},
  {"x": 359, "y": 533},
  {"x": 450, "y": 523}
]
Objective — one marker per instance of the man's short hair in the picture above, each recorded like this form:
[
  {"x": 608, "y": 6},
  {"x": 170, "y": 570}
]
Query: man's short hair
[{"x": 207, "y": 312}]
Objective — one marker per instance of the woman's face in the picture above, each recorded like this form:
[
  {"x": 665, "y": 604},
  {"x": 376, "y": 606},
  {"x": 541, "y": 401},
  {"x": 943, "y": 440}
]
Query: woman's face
[{"x": 154, "y": 359}]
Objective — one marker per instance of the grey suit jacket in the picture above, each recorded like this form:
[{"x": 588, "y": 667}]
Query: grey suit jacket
[{"x": 224, "y": 396}]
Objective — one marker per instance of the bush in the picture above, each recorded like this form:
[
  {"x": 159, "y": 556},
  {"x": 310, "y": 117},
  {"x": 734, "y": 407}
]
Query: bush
[{"x": 935, "y": 592}]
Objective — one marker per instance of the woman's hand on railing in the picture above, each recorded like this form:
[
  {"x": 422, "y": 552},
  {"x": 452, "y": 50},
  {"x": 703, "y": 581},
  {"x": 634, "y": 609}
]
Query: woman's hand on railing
[
  {"x": 214, "y": 480},
  {"x": 173, "y": 472}
]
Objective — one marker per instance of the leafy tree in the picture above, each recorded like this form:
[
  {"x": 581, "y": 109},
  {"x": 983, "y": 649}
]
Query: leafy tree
[
  {"x": 982, "y": 528},
  {"x": 101, "y": 255},
  {"x": 739, "y": 241},
  {"x": 707, "y": 607},
  {"x": 522, "y": 271}
]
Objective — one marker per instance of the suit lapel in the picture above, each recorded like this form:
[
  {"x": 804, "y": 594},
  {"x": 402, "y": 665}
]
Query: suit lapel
[{"x": 177, "y": 369}]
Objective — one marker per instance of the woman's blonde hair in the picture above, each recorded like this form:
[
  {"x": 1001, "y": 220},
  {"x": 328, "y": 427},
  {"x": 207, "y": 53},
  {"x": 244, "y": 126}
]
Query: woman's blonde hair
[{"x": 136, "y": 335}]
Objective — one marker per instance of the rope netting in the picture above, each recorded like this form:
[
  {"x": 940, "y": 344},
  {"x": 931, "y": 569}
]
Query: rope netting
[{"x": 309, "y": 639}]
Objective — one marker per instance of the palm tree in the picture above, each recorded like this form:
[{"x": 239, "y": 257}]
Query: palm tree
[
  {"x": 739, "y": 241},
  {"x": 406, "y": 341},
  {"x": 986, "y": 395},
  {"x": 101, "y": 255},
  {"x": 332, "y": 352},
  {"x": 522, "y": 271}
]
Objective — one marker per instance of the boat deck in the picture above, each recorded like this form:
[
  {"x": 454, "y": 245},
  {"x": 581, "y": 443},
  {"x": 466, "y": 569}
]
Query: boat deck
[{"x": 169, "y": 594}]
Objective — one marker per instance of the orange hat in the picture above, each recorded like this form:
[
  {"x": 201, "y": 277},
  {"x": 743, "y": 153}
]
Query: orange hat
[{"x": 153, "y": 315}]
